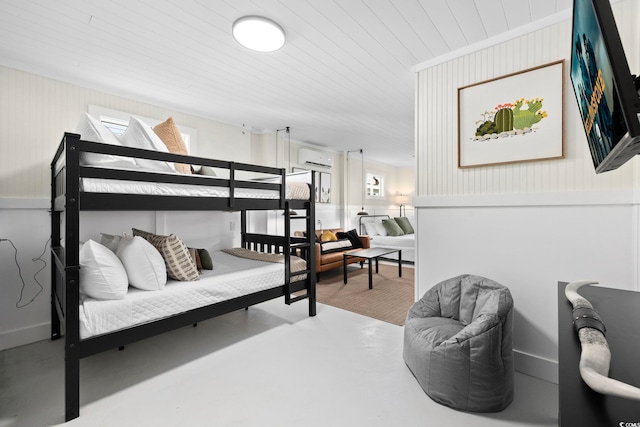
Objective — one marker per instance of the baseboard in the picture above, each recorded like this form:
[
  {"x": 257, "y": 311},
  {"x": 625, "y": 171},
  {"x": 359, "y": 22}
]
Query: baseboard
[
  {"x": 536, "y": 366},
  {"x": 24, "y": 336}
]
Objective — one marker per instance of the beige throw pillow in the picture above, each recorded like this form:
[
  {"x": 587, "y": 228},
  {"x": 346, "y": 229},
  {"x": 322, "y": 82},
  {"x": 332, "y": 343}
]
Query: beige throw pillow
[{"x": 170, "y": 135}]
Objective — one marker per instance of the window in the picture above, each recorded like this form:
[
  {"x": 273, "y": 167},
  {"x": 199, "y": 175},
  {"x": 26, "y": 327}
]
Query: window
[
  {"x": 374, "y": 185},
  {"x": 116, "y": 126}
]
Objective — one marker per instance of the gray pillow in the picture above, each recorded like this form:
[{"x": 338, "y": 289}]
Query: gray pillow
[
  {"x": 404, "y": 223},
  {"x": 110, "y": 241},
  {"x": 392, "y": 227},
  {"x": 205, "y": 259},
  {"x": 207, "y": 171}
]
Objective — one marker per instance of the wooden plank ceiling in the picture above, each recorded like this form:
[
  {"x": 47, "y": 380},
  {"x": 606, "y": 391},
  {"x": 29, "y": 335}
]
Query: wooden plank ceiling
[{"x": 343, "y": 80}]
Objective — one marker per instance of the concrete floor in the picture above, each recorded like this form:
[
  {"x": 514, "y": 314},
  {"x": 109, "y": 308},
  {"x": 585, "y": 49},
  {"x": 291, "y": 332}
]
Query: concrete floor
[{"x": 269, "y": 366}]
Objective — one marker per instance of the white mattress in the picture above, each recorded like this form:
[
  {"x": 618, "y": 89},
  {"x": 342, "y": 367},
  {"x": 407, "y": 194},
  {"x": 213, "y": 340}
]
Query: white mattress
[
  {"x": 404, "y": 241},
  {"x": 296, "y": 189},
  {"x": 231, "y": 277}
]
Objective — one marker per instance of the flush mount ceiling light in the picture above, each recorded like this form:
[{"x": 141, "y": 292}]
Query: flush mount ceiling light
[{"x": 258, "y": 33}]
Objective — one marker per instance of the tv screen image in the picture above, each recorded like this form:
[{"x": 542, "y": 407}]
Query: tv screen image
[{"x": 604, "y": 87}]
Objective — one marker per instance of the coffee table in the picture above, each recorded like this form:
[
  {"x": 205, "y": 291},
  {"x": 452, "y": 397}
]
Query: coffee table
[{"x": 370, "y": 254}]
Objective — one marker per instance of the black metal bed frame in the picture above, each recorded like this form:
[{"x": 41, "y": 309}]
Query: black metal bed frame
[{"x": 67, "y": 198}]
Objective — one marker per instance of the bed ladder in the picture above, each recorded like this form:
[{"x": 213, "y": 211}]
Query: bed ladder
[{"x": 295, "y": 246}]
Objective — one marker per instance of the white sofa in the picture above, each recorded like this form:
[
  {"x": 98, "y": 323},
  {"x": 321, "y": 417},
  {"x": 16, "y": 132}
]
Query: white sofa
[{"x": 371, "y": 225}]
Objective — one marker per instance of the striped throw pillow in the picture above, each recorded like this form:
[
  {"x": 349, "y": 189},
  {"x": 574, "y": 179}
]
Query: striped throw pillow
[
  {"x": 180, "y": 265},
  {"x": 335, "y": 246}
]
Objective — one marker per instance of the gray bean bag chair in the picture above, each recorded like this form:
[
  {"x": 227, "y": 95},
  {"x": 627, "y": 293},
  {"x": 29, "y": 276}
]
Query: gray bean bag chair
[{"x": 458, "y": 344}]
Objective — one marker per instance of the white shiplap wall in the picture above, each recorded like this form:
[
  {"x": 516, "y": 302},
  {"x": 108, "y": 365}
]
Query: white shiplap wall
[
  {"x": 437, "y": 119},
  {"x": 526, "y": 225},
  {"x": 35, "y": 111}
]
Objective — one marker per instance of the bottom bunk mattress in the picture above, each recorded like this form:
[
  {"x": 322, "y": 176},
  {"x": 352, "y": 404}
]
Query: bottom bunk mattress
[{"x": 231, "y": 277}]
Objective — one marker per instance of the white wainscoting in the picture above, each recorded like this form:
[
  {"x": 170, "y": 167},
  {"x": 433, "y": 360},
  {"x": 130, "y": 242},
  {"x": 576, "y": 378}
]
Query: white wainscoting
[
  {"x": 529, "y": 248},
  {"x": 26, "y": 222},
  {"x": 38, "y": 110}
]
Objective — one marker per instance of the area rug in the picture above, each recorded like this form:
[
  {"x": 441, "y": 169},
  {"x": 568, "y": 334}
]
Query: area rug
[{"x": 389, "y": 300}]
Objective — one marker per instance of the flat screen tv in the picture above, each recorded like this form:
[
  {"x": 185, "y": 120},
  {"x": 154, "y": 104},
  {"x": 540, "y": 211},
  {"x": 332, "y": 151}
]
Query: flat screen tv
[{"x": 606, "y": 91}]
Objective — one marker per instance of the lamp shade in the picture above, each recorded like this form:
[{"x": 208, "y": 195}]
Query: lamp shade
[
  {"x": 258, "y": 33},
  {"x": 402, "y": 199}
]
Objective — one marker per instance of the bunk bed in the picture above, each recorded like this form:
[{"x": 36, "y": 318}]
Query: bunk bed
[{"x": 77, "y": 187}]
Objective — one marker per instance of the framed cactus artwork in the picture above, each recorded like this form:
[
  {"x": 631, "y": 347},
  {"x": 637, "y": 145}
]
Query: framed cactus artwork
[{"x": 514, "y": 118}]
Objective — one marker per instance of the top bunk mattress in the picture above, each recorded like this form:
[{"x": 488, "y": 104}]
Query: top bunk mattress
[
  {"x": 118, "y": 168},
  {"x": 231, "y": 277},
  {"x": 297, "y": 188}
]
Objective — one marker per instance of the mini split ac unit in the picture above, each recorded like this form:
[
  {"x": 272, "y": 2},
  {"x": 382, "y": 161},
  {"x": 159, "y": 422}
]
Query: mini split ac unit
[{"x": 314, "y": 158}]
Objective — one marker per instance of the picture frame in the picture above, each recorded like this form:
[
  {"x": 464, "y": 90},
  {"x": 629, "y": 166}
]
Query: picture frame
[
  {"x": 325, "y": 187},
  {"x": 374, "y": 185},
  {"x": 518, "y": 117}
]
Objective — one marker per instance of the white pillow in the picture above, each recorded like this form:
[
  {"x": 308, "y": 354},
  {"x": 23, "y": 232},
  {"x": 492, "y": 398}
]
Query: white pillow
[
  {"x": 381, "y": 230},
  {"x": 93, "y": 130},
  {"x": 144, "y": 264},
  {"x": 102, "y": 275},
  {"x": 140, "y": 135},
  {"x": 371, "y": 228}
]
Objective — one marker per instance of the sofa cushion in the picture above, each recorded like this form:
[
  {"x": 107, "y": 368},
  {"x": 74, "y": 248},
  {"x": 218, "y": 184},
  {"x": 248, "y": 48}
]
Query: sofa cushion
[
  {"x": 320, "y": 231},
  {"x": 335, "y": 246},
  {"x": 331, "y": 258},
  {"x": 382, "y": 231},
  {"x": 370, "y": 228},
  {"x": 352, "y": 235},
  {"x": 328, "y": 236}
]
